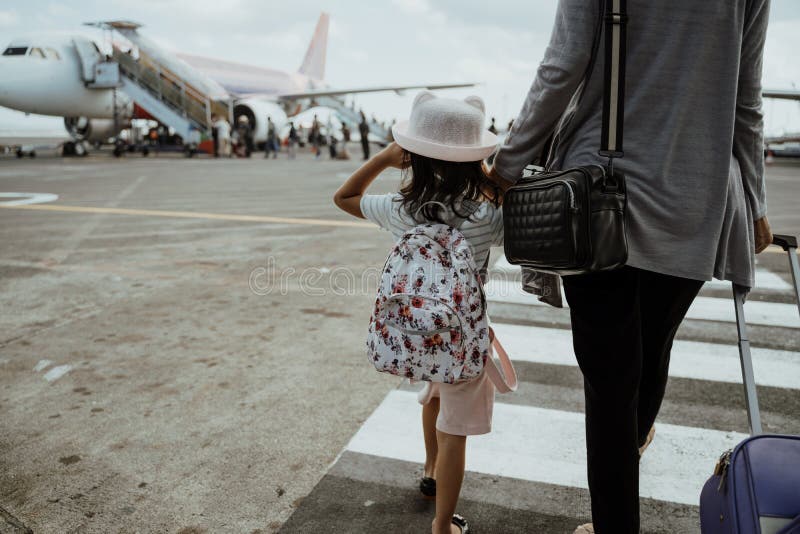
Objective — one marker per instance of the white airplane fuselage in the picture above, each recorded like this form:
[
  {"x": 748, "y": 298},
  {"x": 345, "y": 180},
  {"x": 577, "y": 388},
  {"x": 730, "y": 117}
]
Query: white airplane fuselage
[{"x": 52, "y": 84}]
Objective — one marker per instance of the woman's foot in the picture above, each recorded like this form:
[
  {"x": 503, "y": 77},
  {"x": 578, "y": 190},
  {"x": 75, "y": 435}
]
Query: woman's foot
[
  {"x": 648, "y": 441},
  {"x": 588, "y": 528},
  {"x": 427, "y": 486}
]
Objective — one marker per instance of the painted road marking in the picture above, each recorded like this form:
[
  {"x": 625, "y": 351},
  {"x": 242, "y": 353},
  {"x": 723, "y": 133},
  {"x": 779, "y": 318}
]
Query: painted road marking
[
  {"x": 706, "y": 308},
  {"x": 690, "y": 359},
  {"x": 57, "y": 372},
  {"x": 193, "y": 215},
  {"x": 25, "y": 199},
  {"x": 543, "y": 445},
  {"x": 41, "y": 365},
  {"x": 764, "y": 279}
]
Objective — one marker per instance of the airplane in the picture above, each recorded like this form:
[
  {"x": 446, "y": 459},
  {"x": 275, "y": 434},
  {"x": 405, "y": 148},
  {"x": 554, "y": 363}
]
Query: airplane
[{"x": 53, "y": 74}]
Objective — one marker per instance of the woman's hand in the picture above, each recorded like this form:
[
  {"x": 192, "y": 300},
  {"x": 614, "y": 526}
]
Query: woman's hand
[
  {"x": 763, "y": 234},
  {"x": 393, "y": 156}
]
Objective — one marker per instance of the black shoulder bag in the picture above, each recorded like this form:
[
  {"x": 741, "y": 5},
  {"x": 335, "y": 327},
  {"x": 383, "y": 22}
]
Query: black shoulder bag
[{"x": 573, "y": 221}]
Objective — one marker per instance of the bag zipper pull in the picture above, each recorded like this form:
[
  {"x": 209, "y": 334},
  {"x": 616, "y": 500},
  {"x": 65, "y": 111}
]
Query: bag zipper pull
[{"x": 721, "y": 469}]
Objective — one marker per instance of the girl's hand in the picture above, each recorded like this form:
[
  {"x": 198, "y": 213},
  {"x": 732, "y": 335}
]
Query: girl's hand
[
  {"x": 393, "y": 156},
  {"x": 348, "y": 197}
]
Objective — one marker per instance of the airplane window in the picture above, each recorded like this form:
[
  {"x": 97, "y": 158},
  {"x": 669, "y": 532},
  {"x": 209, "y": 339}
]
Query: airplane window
[
  {"x": 51, "y": 53},
  {"x": 16, "y": 51},
  {"x": 36, "y": 52}
]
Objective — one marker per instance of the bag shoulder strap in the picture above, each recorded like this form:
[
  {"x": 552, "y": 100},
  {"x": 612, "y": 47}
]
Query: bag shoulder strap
[{"x": 616, "y": 20}]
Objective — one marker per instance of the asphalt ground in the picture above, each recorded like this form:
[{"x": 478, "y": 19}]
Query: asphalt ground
[{"x": 181, "y": 351}]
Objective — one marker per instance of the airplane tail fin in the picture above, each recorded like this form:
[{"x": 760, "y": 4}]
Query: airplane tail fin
[{"x": 314, "y": 62}]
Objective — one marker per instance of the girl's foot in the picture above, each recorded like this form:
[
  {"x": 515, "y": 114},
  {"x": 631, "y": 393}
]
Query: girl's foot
[
  {"x": 588, "y": 528},
  {"x": 461, "y": 523},
  {"x": 458, "y": 525},
  {"x": 427, "y": 486}
]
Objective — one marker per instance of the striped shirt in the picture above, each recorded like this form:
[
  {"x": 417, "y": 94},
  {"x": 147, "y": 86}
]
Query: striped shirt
[{"x": 484, "y": 228}]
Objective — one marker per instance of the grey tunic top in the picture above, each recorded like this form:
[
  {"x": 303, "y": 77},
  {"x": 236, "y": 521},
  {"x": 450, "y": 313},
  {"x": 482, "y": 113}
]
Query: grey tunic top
[{"x": 693, "y": 128}]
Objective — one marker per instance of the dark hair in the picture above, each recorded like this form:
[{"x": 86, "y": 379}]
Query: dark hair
[{"x": 428, "y": 180}]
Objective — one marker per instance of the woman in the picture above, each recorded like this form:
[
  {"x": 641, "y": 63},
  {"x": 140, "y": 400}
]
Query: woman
[{"x": 696, "y": 203}]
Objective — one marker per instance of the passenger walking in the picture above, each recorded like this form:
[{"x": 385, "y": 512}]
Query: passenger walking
[
  {"x": 215, "y": 135},
  {"x": 223, "y": 128},
  {"x": 444, "y": 183},
  {"x": 271, "y": 144},
  {"x": 291, "y": 146},
  {"x": 363, "y": 130},
  {"x": 696, "y": 205},
  {"x": 315, "y": 137},
  {"x": 244, "y": 136}
]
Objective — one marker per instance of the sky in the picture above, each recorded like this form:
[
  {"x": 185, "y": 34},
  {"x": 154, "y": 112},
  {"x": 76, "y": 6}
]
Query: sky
[{"x": 497, "y": 44}]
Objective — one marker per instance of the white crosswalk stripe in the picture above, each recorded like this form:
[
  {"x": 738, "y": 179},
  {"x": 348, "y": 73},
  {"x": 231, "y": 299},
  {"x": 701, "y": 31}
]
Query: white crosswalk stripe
[
  {"x": 690, "y": 359},
  {"x": 764, "y": 279},
  {"x": 542, "y": 445},
  {"x": 703, "y": 308}
]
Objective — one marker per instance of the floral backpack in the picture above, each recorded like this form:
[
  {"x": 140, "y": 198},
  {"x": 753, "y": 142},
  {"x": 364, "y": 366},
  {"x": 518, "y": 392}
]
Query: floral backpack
[{"x": 429, "y": 322}]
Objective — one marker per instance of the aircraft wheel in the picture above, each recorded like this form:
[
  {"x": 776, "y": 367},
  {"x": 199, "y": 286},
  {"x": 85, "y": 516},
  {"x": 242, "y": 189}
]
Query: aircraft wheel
[
  {"x": 80, "y": 150},
  {"x": 20, "y": 153},
  {"x": 32, "y": 154}
]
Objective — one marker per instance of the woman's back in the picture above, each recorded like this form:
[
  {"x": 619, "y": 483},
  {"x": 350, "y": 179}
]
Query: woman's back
[{"x": 692, "y": 134}]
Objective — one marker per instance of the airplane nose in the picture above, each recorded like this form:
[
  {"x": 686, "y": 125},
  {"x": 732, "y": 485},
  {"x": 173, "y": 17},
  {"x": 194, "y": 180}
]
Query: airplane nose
[
  {"x": 18, "y": 84},
  {"x": 7, "y": 73}
]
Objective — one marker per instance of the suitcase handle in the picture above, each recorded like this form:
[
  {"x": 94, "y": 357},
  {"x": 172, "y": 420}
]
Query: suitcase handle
[
  {"x": 789, "y": 244},
  {"x": 784, "y": 241}
]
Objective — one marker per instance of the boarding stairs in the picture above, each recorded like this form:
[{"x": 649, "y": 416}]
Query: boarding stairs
[
  {"x": 164, "y": 95},
  {"x": 352, "y": 117},
  {"x": 143, "y": 74}
]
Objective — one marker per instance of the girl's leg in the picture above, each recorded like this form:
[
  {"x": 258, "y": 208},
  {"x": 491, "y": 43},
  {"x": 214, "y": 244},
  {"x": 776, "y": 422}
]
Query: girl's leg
[
  {"x": 430, "y": 412},
  {"x": 449, "y": 476}
]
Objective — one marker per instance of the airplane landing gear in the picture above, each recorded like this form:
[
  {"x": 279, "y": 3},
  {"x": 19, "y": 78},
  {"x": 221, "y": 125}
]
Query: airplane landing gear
[{"x": 74, "y": 148}]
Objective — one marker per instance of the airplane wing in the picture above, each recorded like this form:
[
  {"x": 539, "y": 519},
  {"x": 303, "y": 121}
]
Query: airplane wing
[
  {"x": 397, "y": 89},
  {"x": 782, "y": 94}
]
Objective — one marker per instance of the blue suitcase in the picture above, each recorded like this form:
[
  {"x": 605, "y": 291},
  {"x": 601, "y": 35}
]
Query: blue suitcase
[{"x": 755, "y": 488}]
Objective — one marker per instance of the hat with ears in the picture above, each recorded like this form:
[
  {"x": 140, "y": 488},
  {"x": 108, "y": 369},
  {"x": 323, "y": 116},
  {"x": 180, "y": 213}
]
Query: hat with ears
[{"x": 446, "y": 129}]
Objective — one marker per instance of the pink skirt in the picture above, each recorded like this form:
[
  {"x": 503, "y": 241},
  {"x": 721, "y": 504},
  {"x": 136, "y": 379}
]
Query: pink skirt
[{"x": 464, "y": 409}]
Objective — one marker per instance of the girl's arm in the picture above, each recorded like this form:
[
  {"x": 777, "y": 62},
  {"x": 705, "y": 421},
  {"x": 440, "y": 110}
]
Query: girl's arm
[{"x": 348, "y": 196}]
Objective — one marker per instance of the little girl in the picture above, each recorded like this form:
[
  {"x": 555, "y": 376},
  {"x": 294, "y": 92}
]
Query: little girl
[{"x": 440, "y": 150}]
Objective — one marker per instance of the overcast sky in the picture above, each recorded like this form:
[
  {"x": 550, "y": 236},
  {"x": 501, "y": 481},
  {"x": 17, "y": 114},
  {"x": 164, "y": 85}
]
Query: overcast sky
[{"x": 374, "y": 42}]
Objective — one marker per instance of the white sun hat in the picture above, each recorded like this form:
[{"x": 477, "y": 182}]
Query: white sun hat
[{"x": 446, "y": 129}]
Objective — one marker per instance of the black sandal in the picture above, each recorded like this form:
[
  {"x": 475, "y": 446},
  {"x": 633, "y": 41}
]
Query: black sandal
[
  {"x": 461, "y": 523},
  {"x": 427, "y": 486}
]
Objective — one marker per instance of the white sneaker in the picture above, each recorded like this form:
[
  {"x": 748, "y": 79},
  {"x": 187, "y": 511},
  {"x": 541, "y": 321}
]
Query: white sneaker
[{"x": 588, "y": 528}]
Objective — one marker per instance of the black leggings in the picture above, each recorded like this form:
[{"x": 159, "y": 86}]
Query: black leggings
[{"x": 623, "y": 325}]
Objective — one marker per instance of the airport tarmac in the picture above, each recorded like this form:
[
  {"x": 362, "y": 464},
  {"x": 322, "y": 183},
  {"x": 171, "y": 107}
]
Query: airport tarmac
[{"x": 181, "y": 350}]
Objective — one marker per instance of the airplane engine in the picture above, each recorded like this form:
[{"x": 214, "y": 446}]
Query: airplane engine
[
  {"x": 257, "y": 112},
  {"x": 93, "y": 130}
]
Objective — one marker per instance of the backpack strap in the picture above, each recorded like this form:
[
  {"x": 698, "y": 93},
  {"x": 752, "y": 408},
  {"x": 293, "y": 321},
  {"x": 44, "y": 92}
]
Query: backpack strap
[
  {"x": 471, "y": 206},
  {"x": 505, "y": 381}
]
